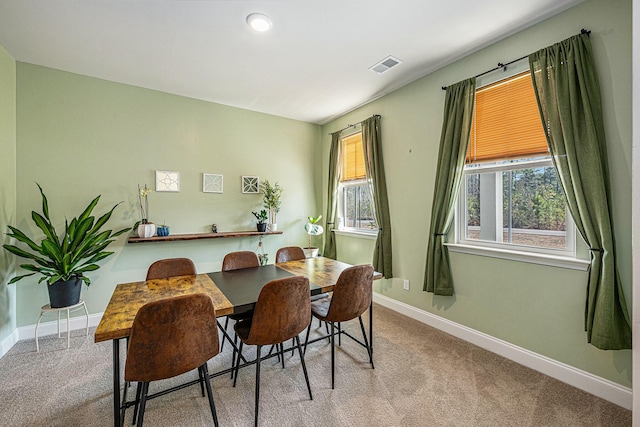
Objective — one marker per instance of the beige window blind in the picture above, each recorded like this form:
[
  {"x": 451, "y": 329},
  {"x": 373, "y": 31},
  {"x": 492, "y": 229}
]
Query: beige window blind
[
  {"x": 506, "y": 122},
  {"x": 352, "y": 158}
]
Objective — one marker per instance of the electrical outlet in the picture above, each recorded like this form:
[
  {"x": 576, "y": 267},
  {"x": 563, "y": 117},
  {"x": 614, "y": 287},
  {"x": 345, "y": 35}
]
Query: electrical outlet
[{"x": 406, "y": 284}]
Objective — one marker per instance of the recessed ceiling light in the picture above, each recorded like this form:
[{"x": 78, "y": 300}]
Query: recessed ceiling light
[{"x": 259, "y": 22}]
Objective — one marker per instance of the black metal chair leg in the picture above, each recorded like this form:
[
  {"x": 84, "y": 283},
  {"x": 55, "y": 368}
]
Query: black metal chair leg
[
  {"x": 306, "y": 340},
  {"x": 235, "y": 353},
  {"x": 366, "y": 343},
  {"x": 143, "y": 403},
  {"x": 212, "y": 405},
  {"x": 333, "y": 355},
  {"x": 135, "y": 409},
  {"x": 279, "y": 349},
  {"x": 340, "y": 334},
  {"x": 233, "y": 359},
  {"x": 258, "y": 362},
  {"x": 237, "y": 365},
  {"x": 201, "y": 376},
  {"x": 226, "y": 323},
  {"x": 304, "y": 367}
]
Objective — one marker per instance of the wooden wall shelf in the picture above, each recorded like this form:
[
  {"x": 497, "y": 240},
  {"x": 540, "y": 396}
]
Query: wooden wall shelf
[{"x": 197, "y": 236}]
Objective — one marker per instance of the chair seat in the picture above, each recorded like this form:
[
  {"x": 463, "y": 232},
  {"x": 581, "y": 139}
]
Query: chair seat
[
  {"x": 320, "y": 296},
  {"x": 243, "y": 327},
  {"x": 320, "y": 307}
]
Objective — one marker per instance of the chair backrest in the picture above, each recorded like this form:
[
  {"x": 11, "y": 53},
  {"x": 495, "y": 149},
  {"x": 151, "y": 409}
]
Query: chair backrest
[
  {"x": 282, "y": 311},
  {"x": 170, "y": 337},
  {"x": 351, "y": 294},
  {"x": 289, "y": 253},
  {"x": 239, "y": 260},
  {"x": 171, "y": 267}
]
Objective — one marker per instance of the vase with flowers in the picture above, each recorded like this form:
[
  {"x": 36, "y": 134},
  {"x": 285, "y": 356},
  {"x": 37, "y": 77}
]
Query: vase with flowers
[{"x": 146, "y": 228}]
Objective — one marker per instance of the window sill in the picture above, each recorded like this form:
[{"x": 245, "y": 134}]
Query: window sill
[
  {"x": 532, "y": 258},
  {"x": 357, "y": 234}
]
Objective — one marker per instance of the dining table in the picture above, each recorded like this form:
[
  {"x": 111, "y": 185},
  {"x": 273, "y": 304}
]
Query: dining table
[{"x": 231, "y": 292}]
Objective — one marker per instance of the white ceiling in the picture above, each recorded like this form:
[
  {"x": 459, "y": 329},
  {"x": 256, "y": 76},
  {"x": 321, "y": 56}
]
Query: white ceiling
[{"x": 313, "y": 65}]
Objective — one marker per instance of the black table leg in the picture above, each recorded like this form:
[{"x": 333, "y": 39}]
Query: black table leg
[
  {"x": 371, "y": 328},
  {"x": 117, "y": 422}
]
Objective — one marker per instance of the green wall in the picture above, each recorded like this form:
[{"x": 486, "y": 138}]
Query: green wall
[
  {"x": 7, "y": 186},
  {"x": 536, "y": 307},
  {"x": 79, "y": 137}
]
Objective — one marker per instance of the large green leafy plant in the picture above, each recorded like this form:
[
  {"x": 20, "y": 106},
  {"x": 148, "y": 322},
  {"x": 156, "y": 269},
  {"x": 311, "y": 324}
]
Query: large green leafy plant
[{"x": 69, "y": 256}]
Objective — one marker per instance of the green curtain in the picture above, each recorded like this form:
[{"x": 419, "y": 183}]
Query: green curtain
[
  {"x": 374, "y": 166},
  {"x": 456, "y": 126},
  {"x": 332, "y": 199},
  {"x": 568, "y": 93}
]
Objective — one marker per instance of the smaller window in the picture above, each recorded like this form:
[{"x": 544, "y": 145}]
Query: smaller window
[{"x": 355, "y": 204}]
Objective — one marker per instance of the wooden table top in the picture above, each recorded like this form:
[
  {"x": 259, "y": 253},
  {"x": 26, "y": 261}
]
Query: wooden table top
[
  {"x": 127, "y": 298},
  {"x": 321, "y": 271}
]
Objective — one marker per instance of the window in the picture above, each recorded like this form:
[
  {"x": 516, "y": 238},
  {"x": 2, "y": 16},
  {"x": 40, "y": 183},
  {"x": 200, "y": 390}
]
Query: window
[
  {"x": 355, "y": 204},
  {"x": 511, "y": 197}
]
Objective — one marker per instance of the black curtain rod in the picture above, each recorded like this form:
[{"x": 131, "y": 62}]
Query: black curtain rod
[
  {"x": 354, "y": 125},
  {"x": 504, "y": 66}
]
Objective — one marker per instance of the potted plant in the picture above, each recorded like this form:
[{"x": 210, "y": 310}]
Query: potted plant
[
  {"x": 63, "y": 261},
  {"x": 271, "y": 201},
  {"x": 262, "y": 220},
  {"x": 162, "y": 230},
  {"x": 145, "y": 228},
  {"x": 313, "y": 229}
]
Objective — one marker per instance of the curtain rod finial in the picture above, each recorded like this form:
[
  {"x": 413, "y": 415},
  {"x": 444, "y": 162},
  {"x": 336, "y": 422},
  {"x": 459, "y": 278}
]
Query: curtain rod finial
[{"x": 583, "y": 31}]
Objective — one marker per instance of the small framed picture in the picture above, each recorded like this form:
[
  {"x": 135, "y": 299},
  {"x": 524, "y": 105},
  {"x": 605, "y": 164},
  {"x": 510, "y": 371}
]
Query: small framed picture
[
  {"x": 211, "y": 183},
  {"x": 167, "y": 181},
  {"x": 250, "y": 185}
]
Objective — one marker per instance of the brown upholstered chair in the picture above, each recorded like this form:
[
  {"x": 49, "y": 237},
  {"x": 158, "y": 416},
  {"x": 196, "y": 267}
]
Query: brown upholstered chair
[
  {"x": 289, "y": 253},
  {"x": 168, "y": 338},
  {"x": 171, "y": 267},
  {"x": 295, "y": 253},
  {"x": 351, "y": 298},
  {"x": 238, "y": 261},
  {"x": 282, "y": 311}
]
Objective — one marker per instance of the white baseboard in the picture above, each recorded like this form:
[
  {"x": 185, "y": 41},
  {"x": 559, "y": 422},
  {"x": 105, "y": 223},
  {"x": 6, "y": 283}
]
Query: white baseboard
[
  {"x": 51, "y": 327},
  {"x": 8, "y": 342},
  {"x": 583, "y": 380}
]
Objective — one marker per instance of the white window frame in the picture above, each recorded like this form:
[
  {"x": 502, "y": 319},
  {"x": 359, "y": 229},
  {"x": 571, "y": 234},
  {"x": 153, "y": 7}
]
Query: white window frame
[
  {"x": 461, "y": 213},
  {"x": 342, "y": 228}
]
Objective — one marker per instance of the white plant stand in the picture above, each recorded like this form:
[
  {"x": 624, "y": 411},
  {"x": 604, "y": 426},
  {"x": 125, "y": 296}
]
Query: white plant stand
[{"x": 47, "y": 308}]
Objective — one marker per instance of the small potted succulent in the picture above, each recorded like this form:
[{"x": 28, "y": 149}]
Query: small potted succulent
[
  {"x": 63, "y": 259},
  {"x": 313, "y": 229},
  {"x": 262, "y": 218},
  {"x": 162, "y": 230}
]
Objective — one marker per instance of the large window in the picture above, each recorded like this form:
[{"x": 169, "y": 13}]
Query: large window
[
  {"x": 511, "y": 197},
  {"x": 355, "y": 205}
]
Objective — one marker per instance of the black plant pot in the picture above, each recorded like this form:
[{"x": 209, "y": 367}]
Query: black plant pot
[
  {"x": 262, "y": 227},
  {"x": 65, "y": 293}
]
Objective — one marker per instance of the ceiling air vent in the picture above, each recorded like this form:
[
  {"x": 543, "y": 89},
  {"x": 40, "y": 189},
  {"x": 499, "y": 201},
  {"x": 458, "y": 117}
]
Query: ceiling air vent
[{"x": 385, "y": 65}]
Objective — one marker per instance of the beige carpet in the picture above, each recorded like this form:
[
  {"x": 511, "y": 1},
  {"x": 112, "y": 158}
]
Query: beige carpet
[{"x": 422, "y": 377}]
